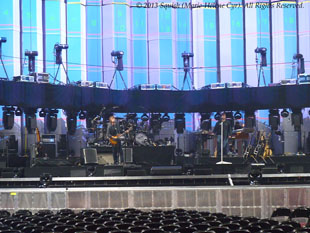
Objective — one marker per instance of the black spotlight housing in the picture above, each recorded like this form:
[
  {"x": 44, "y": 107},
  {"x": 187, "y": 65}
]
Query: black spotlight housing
[
  {"x": 18, "y": 111},
  {"x": 250, "y": 119},
  {"x": 82, "y": 115},
  {"x": 263, "y": 52},
  {"x": 118, "y": 55},
  {"x": 42, "y": 112},
  {"x": 165, "y": 118},
  {"x": 8, "y": 117},
  {"x": 179, "y": 122},
  {"x": 144, "y": 117},
  {"x": 71, "y": 122},
  {"x": 274, "y": 119},
  {"x": 237, "y": 115},
  {"x": 155, "y": 122},
  {"x": 205, "y": 121},
  {"x": 297, "y": 119},
  {"x": 285, "y": 113},
  {"x": 217, "y": 116},
  {"x": 51, "y": 120}
]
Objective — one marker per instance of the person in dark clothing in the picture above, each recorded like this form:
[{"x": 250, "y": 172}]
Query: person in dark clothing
[
  {"x": 226, "y": 133},
  {"x": 113, "y": 129}
]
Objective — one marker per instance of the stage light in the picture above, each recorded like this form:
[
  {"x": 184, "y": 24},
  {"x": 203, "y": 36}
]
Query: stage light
[
  {"x": 31, "y": 120},
  {"x": 297, "y": 119},
  {"x": 144, "y": 117},
  {"x": 274, "y": 119},
  {"x": 155, "y": 122},
  {"x": 2, "y": 39},
  {"x": 285, "y": 113},
  {"x": 82, "y": 115},
  {"x": 205, "y": 121},
  {"x": 42, "y": 112},
  {"x": 117, "y": 58},
  {"x": 301, "y": 63},
  {"x": 179, "y": 122},
  {"x": 165, "y": 117},
  {"x": 71, "y": 122},
  {"x": 217, "y": 116},
  {"x": 51, "y": 120},
  {"x": 45, "y": 180},
  {"x": 31, "y": 60},
  {"x": 58, "y": 48},
  {"x": 18, "y": 112},
  {"x": 262, "y": 51},
  {"x": 186, "y": 57},
  {"x": 237, "y": 115},
  {"x": 8, "y": 117},
  {"x": 250, "y": 119},
  {"x": 255, "y": 175}
]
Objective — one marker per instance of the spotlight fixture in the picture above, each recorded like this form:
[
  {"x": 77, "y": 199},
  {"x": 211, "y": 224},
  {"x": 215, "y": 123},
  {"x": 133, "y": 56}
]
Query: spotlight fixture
[
  {"x": 186, "y": 57},
  {"x": 217, "y": 116},
  {"x": 144, "y": 117},
  {"x": 31, "y": 60},
  {"x": 45, "y": 180},
  {"x": 155, "y": 122},
  {"x": 285, "y": 113},
  {"x": 274, "y": 119},
  {"x": 8, "y": 117},
  {"x": 58, "y": 48},
  {"x": 205, "y": 121},
  {"x": 301, "y": 63},
  {"x": 71, "y": 122},
  {"x": 31, "y": 119},
  {"x": 179, "y": 122},
  {"x": 255, "y": 175},
  {"x": 82, "y": 115},
  {"x": 262, "y": 51},
  {"x": 297, "y": 119},
  {"x": 18, "y": 111},
  {"x": 249, "y": 119},
  {"x": 237, "y": 115},
  {"x": 117, "y": 58},
  {"x": 42, "y": 112},
  {"x": 165, "y": 117},
  {"x": 51, "y": 120}
]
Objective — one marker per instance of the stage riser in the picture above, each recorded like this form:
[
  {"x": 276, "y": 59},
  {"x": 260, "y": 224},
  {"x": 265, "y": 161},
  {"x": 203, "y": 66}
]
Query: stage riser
[{"x": 243, "y": 201}]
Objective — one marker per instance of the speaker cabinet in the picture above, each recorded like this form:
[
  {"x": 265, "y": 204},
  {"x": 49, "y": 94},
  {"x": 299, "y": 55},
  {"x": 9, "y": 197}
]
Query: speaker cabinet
[
  {"x": 90, "y": 156},
  {"x": 128, "y": 155}
]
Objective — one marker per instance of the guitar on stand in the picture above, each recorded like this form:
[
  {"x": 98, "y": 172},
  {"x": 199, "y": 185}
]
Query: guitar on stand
[
  {"x": 249, "y": 151},
  {"x": 267, "y": 150}
]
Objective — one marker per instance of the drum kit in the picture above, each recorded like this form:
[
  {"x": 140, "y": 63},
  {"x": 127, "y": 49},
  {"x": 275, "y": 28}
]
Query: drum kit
[{"x": 139, "y": 135}]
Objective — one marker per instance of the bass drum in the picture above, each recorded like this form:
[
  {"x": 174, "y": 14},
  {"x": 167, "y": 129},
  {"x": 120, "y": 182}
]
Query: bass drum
[{"x": 141, "y": 139}]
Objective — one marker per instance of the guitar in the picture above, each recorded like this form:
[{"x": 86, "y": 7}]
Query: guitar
[
  {"x": 38, "y": 147},
  {"x": 114, "y": 139}
]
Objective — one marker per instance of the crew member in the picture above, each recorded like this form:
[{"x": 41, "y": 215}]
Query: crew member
[
  {"x": 113, "y": 130},
  {"x": 226, "y": 133}
]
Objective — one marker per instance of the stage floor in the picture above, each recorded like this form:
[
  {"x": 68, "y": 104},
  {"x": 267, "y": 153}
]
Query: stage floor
[{"x": 257, "y": 201}]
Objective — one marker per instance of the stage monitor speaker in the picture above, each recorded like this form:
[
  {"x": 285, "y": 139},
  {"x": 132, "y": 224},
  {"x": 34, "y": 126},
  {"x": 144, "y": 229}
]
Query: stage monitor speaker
[
  {"x": 90, "y": 156},
  {"x": 139, "y": 172},
  {"x": 166, "y": 170},
  {"x": 128, "y": 155},
  {"x": 113, "y": 171},
  {"x": 78, "y": 172},
  {"x": 49, "y": 150}
]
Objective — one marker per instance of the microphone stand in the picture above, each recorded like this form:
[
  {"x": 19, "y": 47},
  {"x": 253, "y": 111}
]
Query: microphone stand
[{"x": 222, "y": 139}]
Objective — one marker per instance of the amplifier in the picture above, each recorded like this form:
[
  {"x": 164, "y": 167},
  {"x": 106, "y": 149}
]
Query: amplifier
[
  {"x": 163, "y": 87},
  {"x": 147, "y": 87},
  {"x": 304, "y": 79},
  {"x": 218, "y": 85},
  {"x": 101, "y": 85},
  {"x": 41, "y": 77},
  {"x": 24, "y": 78},
  {"x": 48, "y": 138},
  {"x": 288, "y": 82},
  {"x": 235, "y": 85},
  {"x": 86, "y": 83},
  {"x": 128, "y": 155}
]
